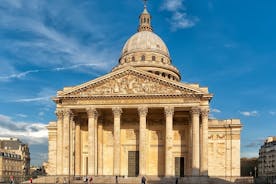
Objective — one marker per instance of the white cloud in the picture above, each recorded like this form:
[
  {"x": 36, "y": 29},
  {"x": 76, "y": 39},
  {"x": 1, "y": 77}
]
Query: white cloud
[
  {"x": 43, "y": 97},
  {"x": 179, "y": 19},
  {"x": 272, "y": 113},
  {"x": 29, "y": 132},
  {"x": 50, "y": 46},
  {"x": 18, "y": 75},
  {"x": 41, "y": 113},
  {"x": 23, "y": 75},
  {"x": 215, "y": 110},
  {"x": 22, "y": 115},
  {"x": 173, "y": 5},
  {"x": 250, "y": 113},
  {"x": 249, "y": 154},
  {"x": 36, "y": 99}
]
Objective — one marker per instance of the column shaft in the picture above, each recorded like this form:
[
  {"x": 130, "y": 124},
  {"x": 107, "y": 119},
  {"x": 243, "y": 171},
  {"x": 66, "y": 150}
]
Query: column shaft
[
  {"x": 59, "y": 161},
  {"x": 204, "y": 151},
  {"x": 117, "y": 146},
  {"x": 78, "y": 149},
  {"x": 195, "y": 129},
  {"x": 169, "y": 141},
  {"x": 100, "y": 148},
  {"x": 92, "y": 115},
  {"x": 142, "y": 140},
  {"x": 72, "y": 145},
  {"x": 96, "y": 146},
  {"x": 66, "y": 142}
]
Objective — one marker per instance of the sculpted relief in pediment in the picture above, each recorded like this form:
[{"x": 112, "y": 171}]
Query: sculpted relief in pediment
[{"x": 130, "y": 84}]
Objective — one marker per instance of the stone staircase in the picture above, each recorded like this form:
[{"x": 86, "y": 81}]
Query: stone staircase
[{"x": 137, "y": 180}]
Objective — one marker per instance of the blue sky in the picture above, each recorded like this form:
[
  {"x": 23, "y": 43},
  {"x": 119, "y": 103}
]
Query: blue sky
[{"x": 229, "y": 46}]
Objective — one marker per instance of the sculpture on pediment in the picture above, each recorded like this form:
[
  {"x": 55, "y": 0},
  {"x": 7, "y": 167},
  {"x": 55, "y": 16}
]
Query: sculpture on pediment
[{"x": 130, "y": 84}]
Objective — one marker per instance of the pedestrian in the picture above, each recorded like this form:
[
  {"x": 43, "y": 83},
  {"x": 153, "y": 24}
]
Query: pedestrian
[
  {"x": 143, "y": 181},
  {"x": 90, "y": 180},
  {"x": 31, "y": 180},
  {"x": 116, "y": 179},
  {"x": 176, "y": 181},
  {"x": 85, "y": 179},
  {"x": 12, "y": 180}
]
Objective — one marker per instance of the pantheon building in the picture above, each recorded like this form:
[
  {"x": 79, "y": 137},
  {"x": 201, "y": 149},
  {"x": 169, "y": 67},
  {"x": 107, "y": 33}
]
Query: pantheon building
[{"x": 141, "y": 120}]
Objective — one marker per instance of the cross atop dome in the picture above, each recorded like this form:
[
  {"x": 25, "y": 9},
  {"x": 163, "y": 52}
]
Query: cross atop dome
[
  {"x": 145, "y": 3},
  {"x": 145, "y": 19}
]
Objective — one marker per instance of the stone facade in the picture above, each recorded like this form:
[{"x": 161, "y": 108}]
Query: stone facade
[
  {"x": 10, "y": 165},
  {"x": 267, "y": 158},
  {"x": 13, "y": 146},
  {"x": 140, "y": 119}
]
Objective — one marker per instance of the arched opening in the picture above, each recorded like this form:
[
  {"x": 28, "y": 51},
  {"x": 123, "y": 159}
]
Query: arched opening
[
  {"x": 153, "y": 58},
  {"x": 143, "y": 58},
  {"x": 133, "y": 58}
]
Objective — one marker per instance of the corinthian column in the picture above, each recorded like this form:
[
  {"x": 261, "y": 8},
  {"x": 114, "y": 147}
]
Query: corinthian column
[
  {"x": 142, "y": 140},
  {"x": 59, "y": 161},
  {"x": 117, "y": 146},
  {"x": 66, "y": 141},
  {"x": 78, "y": 148},
  {"x": 92, "y": 116},
  {"x": 100, "y": 147},
  {"x": 204, "y": 145},
  {"x": 169, "y": 111},
  {"x": 195, "y": 131}
]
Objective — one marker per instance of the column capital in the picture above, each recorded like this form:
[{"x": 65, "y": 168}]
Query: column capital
[
  {"x": 205, "y": 112},
  {"x": 59, "y": 113},
  {"x": 169, "y": 111},
  {"x": 67, "y": 112},
  {"x": 195, "y": 111},
  {"x": 91, "y": 112},
  {"x": 117, "y": 111},
  {"x": 143, "y": 110}
]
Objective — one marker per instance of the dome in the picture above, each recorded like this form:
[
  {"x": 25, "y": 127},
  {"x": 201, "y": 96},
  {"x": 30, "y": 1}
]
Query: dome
[
  {"x": 147, "y": 51},
  {"x": 146, "y": 41}
]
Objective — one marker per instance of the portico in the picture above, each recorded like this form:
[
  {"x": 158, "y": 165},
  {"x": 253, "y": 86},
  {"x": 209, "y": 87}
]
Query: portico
[{"x": 130, "y": 129}]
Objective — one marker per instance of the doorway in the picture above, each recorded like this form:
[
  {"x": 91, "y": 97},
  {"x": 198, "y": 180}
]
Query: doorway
[
  {"x": 133, "y": 163},
  {"x": 179, "y": 166}
]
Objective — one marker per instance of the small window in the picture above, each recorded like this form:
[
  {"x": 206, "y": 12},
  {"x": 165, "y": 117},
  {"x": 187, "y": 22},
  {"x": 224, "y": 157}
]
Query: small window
[
  {"x": 145, "y": 20},
  {"x": 153, "y": 58},
  {"x": 143, "y": 58},
  {"x": 162, "y": 60},
  {"x": 148, "y": 20},
  {"x": 133, "y": 58}
]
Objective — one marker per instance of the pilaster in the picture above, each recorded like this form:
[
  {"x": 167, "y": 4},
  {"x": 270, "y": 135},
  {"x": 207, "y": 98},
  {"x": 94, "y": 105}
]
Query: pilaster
[
  {"x": 117, "y": 143},
  {"x": 169, "y": 111},
  {"x": 142, "y": 140}
]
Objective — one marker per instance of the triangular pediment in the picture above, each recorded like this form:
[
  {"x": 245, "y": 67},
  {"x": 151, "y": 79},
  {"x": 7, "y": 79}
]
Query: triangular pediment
[{"x": 130, "y": 82}]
